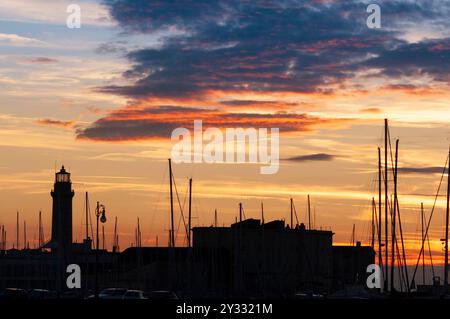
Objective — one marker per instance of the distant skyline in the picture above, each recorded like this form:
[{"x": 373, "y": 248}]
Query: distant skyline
[{"x": 103, "y": 100}]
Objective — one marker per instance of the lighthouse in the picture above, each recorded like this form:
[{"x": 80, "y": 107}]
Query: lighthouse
[{"x": 62, "y": 195}]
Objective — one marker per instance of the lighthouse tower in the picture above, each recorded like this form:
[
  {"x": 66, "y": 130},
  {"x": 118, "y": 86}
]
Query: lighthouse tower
[{"x": 62, "y": 195}]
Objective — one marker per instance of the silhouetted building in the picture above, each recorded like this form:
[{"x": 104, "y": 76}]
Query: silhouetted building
[
  {"x": 350, "y": 264},
  {"x": 250, "y": 258},
  {"x": 62, "y": 195}
]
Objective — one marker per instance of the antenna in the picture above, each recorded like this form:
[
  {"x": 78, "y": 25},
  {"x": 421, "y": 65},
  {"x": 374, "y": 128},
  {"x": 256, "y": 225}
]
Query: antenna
[
  {"x": 262, "y": 213},
  {"x": 215, "y": 218},
  {"x": 139, "y": 242},
  {"x": 240, "y": 212},
  {"x": 115, "y": 244},
  {"x": 354, "y": 236}
]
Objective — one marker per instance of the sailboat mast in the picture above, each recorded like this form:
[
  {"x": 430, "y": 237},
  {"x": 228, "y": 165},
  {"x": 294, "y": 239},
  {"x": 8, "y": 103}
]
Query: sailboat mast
[
  {"x": 17, "y": 230},
  {"x": 423, "y": 241},
  {"x": 386, "y": 199},
  {"x": 24, "y": 234},
  {"x": 87, "y": 215},
  {"x": 40, "y": 231},
  {"x": 446, "y": 225},
  {"x": 394, "y": 211},
  {"x": 372, "y": 241},
  {"x": 309, "y": 213},
  {"x": 380, "y": 253},
  {"x": 292, "y": 214},
  {"x": 172, "y": 232},
  {"x": 190, "y": 213}
]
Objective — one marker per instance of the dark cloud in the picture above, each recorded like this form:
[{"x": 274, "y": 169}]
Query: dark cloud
[
  {"x": 40, "y": 60},
  {"x": 312, "y": 157},
  {"x": 112, "y": 47},
  {"x": 284, "y": 46},
  {"x": 271, "y": 46},
  {"x": 428, "y": 58},
  {"x": 421, "y": 170},
  {"x": 265, "y": 46}
]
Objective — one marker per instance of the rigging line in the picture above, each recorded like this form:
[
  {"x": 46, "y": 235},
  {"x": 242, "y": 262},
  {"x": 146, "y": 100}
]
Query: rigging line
[
  {"x": 401, "y": 238},
  {"x": 179, "y": 204},
  {"x": 181, "y": 217},
  {"x": 295, "y": 213},
  {"x": 429, "y": 249},
  {"x": 431, "y": 256},
  {"x": 400, "y": 268},
  {"x": 429, "y": 219},
  {"x": 90, "y": 220}
]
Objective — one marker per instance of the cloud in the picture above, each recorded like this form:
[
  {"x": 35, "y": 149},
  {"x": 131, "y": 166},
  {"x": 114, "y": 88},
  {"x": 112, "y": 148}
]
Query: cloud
[
  {"x": 10, "y": 39},
  {"x": 428, "y": 58},
  {"x": 257, "y": 104},
  {"x": 422, "y": 170},
  {"x": 145, "y": 123},
  {"x": 40, "y": 60},
  {"x": 373, "y": 110},
  {"x": 231, "y": 52},
  {"x": 234, "y": 46},
  {"x": 53, "y": 12},
  {"x": 268, "y": 46},
  {"x": 58, "y": 123},
  {"x": 312, "y": 157}
]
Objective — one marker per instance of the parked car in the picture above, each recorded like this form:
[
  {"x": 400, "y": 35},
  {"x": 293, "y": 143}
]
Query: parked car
[
  {"x": 112, "y": 293},
  {"x": 42, "y": 294},
  {"x": 134, "y": 294},
  {"x": 72, "y": 294},
  {"x": 162, "y": 294},
  {"x": 14, "y": 293}
]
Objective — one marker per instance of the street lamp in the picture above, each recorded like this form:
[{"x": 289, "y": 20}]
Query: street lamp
[{"x": 100, "y": 213}]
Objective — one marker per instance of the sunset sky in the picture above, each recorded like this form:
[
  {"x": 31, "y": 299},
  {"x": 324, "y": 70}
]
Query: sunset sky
[{"x": 103, "y": 100}]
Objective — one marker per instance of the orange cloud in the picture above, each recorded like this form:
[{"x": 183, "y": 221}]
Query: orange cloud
[
  {"x": 58, "y": 123},
  {"x": 143, "y": 123}
]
